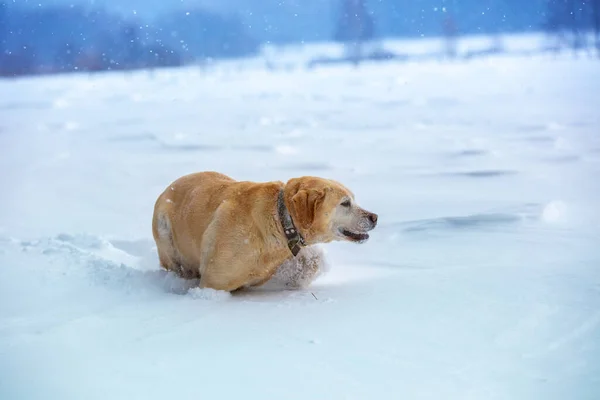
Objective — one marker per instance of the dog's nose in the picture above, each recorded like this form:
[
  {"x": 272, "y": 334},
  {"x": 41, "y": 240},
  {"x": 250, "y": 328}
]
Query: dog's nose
[{"x": 373, "y": 218}]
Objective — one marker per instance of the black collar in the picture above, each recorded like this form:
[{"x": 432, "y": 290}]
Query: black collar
[{"x": 295, "y": 241}]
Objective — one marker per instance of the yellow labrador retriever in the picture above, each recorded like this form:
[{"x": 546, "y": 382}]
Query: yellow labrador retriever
[{"x": 235, "y": 234}]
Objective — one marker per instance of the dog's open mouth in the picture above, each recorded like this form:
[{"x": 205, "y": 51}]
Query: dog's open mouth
[{"x": 354, "y": 236}]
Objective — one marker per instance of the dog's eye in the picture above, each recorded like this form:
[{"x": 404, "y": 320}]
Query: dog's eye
[{"x": 346, "y": 203}]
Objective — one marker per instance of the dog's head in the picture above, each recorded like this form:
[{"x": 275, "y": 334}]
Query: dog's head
[{"x": 325, "y": 210}]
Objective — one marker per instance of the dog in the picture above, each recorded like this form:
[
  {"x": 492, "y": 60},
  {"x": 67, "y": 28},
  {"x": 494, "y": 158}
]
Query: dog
[{"x": 233, "y": 234}]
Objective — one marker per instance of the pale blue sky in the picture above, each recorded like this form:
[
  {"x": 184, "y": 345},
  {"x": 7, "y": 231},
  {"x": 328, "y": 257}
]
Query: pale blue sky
[{"x": 315, "y": 19}]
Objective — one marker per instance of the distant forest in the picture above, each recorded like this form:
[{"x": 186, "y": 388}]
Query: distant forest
[
  {"x": 77, "y": 38},
  {"x": 83, "y": 38}
]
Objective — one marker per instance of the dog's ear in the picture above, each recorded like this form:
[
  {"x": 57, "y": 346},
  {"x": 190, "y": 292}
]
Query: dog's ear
[{"x": 306, "y": 203}]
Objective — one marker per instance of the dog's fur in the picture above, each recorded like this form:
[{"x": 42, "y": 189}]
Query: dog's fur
[{"x": 228, "y": 234}]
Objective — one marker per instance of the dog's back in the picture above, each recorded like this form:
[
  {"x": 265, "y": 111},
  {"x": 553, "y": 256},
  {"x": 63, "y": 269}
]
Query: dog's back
[
  {"x": 188, "y": 203},
  {"x": 187, "y": 207}
]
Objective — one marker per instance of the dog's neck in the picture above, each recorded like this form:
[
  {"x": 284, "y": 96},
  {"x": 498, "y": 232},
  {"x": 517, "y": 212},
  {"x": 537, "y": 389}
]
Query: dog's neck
[{"x": 295, "y": 241}]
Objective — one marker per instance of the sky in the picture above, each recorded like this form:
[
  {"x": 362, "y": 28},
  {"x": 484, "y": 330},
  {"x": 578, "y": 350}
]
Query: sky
[
  {"x": 266, "y": 19},
  {"x": 298, "y": 20},
  {"x": 151, "y": 8}
]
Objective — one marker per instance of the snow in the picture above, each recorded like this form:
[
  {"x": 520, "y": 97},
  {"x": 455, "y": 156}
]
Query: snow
[{"x": 482, "y": 280}]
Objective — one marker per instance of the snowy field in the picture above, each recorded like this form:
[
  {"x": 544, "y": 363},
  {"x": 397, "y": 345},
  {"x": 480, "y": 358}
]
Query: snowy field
[{"x": 482, "y": 280}]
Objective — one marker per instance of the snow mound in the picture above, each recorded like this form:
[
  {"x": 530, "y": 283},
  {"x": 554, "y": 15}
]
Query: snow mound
[
  {"x": 554, "y": 212},
  {"x": 300, "y": 271},
  {"x": 98, "y": 262}
]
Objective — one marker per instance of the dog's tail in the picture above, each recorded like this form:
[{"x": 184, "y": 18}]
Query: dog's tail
[{"x": 163, "y": 227}]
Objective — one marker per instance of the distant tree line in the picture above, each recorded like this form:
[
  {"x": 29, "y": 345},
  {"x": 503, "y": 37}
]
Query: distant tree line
[
  {"x": 571, "y": 21},
  {"x": 76, "y": 38},
  {"x": 82, "y": 38}
]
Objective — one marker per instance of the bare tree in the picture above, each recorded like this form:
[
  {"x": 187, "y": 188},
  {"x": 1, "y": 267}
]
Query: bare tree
[
  {"x": 3, "y": 23},
  {"x": 355, "y": 26},
  {"x": 450, "y": 35},
  {"x": 596, "y": 23},
  {"x": 133, "y": 48},
  {"x": 577, "y": 41},
  {"x": 561, "y": 20}
]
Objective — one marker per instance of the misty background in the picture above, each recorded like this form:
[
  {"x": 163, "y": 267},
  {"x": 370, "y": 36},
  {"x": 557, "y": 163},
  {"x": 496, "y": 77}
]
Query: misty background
[{"x": 49, "y": 36}]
